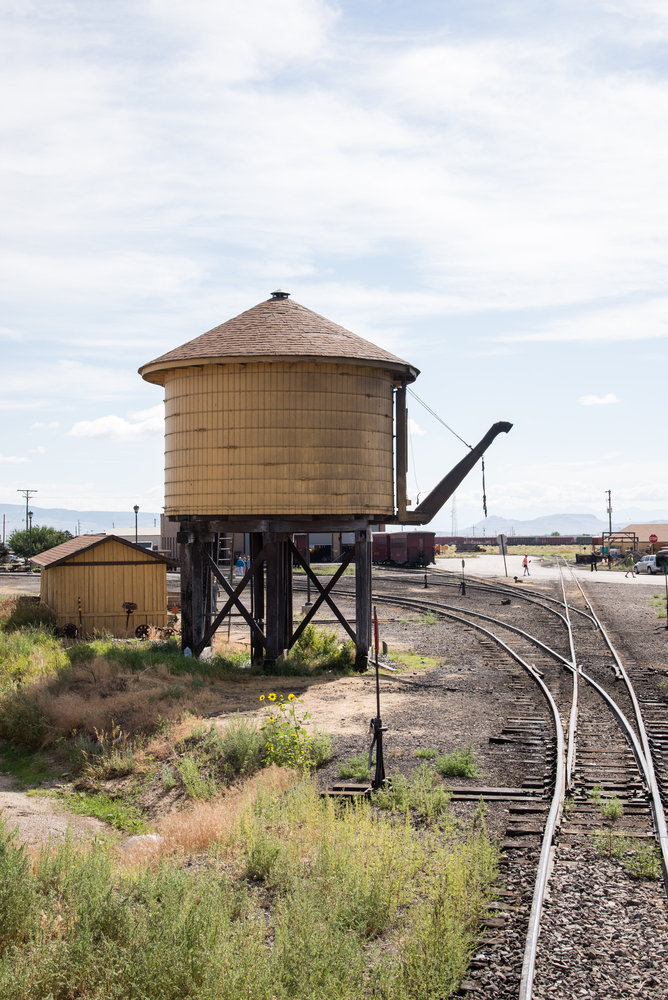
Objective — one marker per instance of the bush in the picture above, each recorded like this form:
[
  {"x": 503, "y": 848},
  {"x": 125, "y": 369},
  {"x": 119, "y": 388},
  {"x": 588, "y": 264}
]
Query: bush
[
  {"x": 29, "y": 612},
  {"x": 458, "y": 764},
  {"x": 317, "y": 650},
  {"x": 22, "y": 721},
  {"x": 18, "y": 901}
]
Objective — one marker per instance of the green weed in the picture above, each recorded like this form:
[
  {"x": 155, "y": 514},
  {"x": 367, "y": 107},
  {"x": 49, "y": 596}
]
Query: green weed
[
  {"x": 644, "y": 862},
  {"x": 426, "y": 753},
  {"x": 167, "y": 778},
  {"x": 120, "y": 814},
  {"x": 355, "y": 768},
  {"x": 412, "y": 661},
  {"x": 27, "y": 769},
  {"x": 612, "y": 808},
  {"x": 459, "y": 764},
  {"x": 197, "y": 785},
  {"x": 610, "y": 844},
  {"x": 354, "y": 905},
  {"x": 423, "y": 793}
]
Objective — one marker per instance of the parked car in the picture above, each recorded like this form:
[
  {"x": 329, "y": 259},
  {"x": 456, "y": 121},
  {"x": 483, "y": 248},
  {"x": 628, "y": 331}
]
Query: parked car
[{"x": 646, "y": 565}]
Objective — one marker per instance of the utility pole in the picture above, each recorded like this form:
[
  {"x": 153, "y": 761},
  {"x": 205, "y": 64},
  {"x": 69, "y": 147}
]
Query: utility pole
[
  {"x": 609, "y": 495},
  {"x": 27, "y": 494}
]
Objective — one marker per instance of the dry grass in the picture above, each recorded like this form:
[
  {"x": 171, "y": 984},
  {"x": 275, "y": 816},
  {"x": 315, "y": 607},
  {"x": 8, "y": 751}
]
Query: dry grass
[
  {"x": 95, "y": 696},
  {"x": 205, "y": 823}
]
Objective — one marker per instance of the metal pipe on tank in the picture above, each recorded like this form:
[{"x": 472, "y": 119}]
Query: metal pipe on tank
[{"x": 441, "y": 493}]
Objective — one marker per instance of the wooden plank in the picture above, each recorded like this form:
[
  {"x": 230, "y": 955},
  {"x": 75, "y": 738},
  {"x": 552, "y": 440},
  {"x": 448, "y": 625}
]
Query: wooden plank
[{"x": 224, "y": 423}]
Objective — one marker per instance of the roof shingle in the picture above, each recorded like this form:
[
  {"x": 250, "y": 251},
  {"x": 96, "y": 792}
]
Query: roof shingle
[{"x": 275, "y": 328}]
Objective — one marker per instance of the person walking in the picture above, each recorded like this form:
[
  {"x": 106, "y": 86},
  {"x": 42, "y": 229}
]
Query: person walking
[
  {"x": 525, "y": 563},
  {"x": 594, "y": 564},
  {"x": 629, "y": 566}
]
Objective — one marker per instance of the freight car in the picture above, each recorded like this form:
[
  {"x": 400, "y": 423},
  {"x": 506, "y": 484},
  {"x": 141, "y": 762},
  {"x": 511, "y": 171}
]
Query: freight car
[{"x": 403, "y": 548}]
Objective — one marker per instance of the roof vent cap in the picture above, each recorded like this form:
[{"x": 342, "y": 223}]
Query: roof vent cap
[{"x": 278, "y": 294}]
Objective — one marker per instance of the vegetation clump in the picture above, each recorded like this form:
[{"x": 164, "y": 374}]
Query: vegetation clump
[
  {"x": 294, "y": 898},
  {"x": 459, "y": 764}
]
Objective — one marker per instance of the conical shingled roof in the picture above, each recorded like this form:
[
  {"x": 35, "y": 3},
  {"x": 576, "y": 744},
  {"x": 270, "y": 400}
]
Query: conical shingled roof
[{"x": 277, "y": 328}]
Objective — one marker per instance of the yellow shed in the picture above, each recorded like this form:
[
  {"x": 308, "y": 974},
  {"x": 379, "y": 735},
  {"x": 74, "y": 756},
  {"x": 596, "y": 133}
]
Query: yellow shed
[{"x": 104, "y": 583}]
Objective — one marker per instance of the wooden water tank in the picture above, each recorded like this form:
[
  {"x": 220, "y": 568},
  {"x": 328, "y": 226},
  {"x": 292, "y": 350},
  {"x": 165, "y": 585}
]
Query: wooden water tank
[{"x": 279, "y": 411}]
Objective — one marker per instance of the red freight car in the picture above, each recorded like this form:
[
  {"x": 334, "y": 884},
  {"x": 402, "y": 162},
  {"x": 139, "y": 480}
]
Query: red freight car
[
  {"x": 380, "y": 548},
  {"x": 403, "y": 548}
]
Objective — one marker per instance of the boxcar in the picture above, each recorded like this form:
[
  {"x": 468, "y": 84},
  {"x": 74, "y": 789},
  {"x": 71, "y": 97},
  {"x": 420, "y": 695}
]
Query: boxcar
[
  {"x": 412, "y": 548},
  {"x": 380, "y": 548}
]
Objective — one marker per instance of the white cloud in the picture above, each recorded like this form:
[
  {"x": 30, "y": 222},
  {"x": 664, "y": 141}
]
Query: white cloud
[
  {"x": 12, "y": 459},
  {"x": 39, "y": 450},
  {"x": 143, "y": 424},
  {"x": 7, "y": 333},
  {"x": 592, "y": 400},
  {"x": 50, "y": 425},
  {"x": 414, "y": 428},
  {"x": 626, "y": 322},
  {"x": 30, "y": 385}
]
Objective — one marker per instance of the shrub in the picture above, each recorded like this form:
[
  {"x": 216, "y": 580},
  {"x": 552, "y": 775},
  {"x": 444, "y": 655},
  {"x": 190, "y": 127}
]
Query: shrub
[
  {"x": 18, "y": 909},
  {"x": 29, "y": 612},
  {"x": 458, "y": 764},
  {"x": 612, "y": 809},
  {"x": 22, "y": 721},
  {"x": 287, "y": 742},
  {"x": 197, "y": 786},
  {"x": 317, "y": 650}
]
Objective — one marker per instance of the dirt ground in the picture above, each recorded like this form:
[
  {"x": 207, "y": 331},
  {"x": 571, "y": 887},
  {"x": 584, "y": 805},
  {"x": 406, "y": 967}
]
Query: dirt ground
[{"x": 463, "y": 700}]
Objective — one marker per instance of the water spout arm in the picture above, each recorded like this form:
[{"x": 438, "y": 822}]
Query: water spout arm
[{"x": 431, "y": 505}]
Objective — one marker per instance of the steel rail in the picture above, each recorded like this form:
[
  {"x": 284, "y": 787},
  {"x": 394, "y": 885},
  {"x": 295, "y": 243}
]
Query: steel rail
[
  {"x": 531, "y": 596},
  {"x": 573, "y": 715},
  {"x": 446, "y": 611},
  {"x": 556, "y": 805},
  {"x": 478, "y": 583},
  {"x": 658, "y": 811},
  {"x": 556, "y": 808}
]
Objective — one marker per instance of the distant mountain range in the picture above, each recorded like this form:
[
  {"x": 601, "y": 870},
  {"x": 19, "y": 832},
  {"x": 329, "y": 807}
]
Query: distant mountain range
[
  {"x": 565, "y": 524},
  {"x": 123, "y": 521},
  {"x": 79, "y": 521}
]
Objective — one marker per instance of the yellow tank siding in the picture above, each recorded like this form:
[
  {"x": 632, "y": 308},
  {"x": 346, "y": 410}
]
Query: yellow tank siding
[{"x": 278, "y": 438}]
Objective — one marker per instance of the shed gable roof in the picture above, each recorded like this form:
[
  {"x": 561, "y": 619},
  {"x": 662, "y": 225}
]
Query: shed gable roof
[
  {"x": 277, "y": 328},
  {"x": 82, "y": 543}
]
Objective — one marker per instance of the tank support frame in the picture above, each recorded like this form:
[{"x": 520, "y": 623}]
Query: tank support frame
[{"x": 268, "y": 583}]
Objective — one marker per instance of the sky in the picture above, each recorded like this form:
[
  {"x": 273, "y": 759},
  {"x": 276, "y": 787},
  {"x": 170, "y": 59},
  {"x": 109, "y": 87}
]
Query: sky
[{"x": 478, "y": 187}]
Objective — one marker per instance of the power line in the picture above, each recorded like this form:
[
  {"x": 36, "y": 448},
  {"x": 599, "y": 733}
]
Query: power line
[
  {"x": 436, "y": 417},
  {"x": 27, "y": 494}
]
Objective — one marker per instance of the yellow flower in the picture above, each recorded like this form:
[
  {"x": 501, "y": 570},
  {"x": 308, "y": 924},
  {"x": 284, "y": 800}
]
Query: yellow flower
[
  {"x": 291, "y": 697},
  {"x": 272, "y": 696},
  {"x": 270, "y": 719},
  {"x": 261, "y": 697}
]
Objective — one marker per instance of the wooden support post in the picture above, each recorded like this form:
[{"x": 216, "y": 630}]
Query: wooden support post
[
  {"x": 279, "y": 595},
  {"x": 185, "y": 541},
  {"x": 257, "y": 596},
  {"x": 197, "y": 602},
  {"x": 362, "y": 598}
]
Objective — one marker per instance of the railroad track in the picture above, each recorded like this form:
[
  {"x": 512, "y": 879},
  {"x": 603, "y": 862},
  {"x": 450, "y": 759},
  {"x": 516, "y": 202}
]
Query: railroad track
[{"x": 600, "y": 749}]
